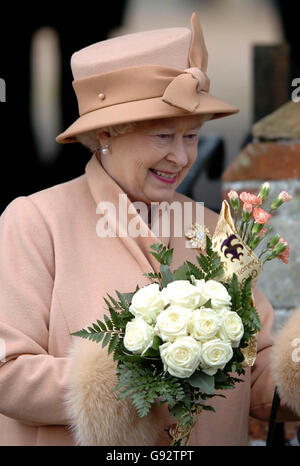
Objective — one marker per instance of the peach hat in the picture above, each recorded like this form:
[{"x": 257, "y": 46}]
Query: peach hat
[{"x": 142, "y": 76}]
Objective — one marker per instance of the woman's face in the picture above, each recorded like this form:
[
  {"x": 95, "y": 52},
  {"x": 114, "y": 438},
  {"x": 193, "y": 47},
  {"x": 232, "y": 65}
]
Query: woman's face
[{"x": 149, "y": 163}]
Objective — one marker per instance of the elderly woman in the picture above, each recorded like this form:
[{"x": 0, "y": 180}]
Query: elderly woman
[{"x": 142, "y": 100}]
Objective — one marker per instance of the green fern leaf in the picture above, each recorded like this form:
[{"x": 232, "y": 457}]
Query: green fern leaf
[
  {"x": 108, "y": 322},
  {"x": 235, "y": 293},
  {"x": 153, "y": 276},
  {"x": 115, "y": 318},
  {"x": 113, "y": 343},
  {"x": 96, "y": 328},
  {"x": 194, "y": 270},
  {"x": 102, "y": 325},
  {"x": 83, "y": 333},
  {"x": 203, "y": 262},
  {"x": 115, "y": 303},
  {"x": 106, "y": 340}
]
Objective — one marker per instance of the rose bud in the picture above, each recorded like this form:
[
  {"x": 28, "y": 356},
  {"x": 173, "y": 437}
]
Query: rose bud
[
  {"x": 280, "y": 248},
  {"x": 273, "y": 241},
  {"x": 234, "y": 200},
  {"x": 285, "y": 196},
  {"x": 282, "y": 197},
  {"x": 284, "y": 255},
  {"x": 247, "y": 209},
  {"x": 232, "y": 195},
  {"x": 264, "y": 191}
]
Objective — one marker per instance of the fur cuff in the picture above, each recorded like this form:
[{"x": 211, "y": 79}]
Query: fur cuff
[
  {"x": 286, "y": 362},
  {"x": 96, "y": 416}
]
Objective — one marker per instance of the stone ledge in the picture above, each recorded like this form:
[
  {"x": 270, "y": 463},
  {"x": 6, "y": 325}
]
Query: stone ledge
[
  {"x": 283, "y": 123},
  {"x": 265, "y": 161}
]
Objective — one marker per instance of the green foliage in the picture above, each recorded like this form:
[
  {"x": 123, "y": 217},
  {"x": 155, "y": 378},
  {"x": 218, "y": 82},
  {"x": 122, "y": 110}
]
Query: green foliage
[
  {"x": 211, "y": 266},
  {"x": 194, "y": 270},
  {"x": 153, "y": 276},
  {"x": 166, "y": 274},
  {"x": 242, "y": 303},
  {"x": 181, "y": 273},
  {"x": 224, "y": 380},
  {"x": 207, "y": 304},
  {"x": 162, "y": 254},
  {"x": 145, "y": 383},
  {"x": 206, "y": 383},
  {"x": 235, "y": 293},
  {"x": 111, "y": 330},
  {"x": 211, "y": 263}
]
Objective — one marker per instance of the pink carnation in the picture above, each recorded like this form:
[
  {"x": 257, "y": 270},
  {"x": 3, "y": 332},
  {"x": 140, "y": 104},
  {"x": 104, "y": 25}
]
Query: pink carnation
[
  {"x": 249, "y": 198},
  {"x": 261, "y": 216},
  {"x": 247, "y": 207},
  {"x": 233, "y": 195},
  {"x": 284, "y": 256},
  {"x": 285, "y": 196}
]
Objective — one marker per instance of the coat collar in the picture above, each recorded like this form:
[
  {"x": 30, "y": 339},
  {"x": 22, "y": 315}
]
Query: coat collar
[{"x": 104, "y": 189}]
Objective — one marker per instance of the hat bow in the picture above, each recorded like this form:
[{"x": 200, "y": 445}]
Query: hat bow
[{"x": 184, "y": 90}]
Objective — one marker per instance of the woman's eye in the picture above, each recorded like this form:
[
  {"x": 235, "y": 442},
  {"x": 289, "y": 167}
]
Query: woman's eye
[
  {"x": 191, "y": 136},
  {"x": 164, "y": 136}
]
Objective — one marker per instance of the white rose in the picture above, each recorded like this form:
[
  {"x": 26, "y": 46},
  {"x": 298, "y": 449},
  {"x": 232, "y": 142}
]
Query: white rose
[
  {"x": 182, "y": 293},
  {"x": 215, "y": 291},
  {"x": 164, "y": 296},
  {"x": 181, "y": 358},
  {"x": 172, "y": 323},
  {"x": 204, "y": 323},
  {"x": 147, "y": 303},
  {"x": 232, "y": 328},
  {"x": 215, "y": 354},
  {"x": 138, "y": 336}
]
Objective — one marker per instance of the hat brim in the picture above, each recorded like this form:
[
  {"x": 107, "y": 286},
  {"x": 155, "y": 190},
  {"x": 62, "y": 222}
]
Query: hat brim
[{"x": 140, "y": 110}]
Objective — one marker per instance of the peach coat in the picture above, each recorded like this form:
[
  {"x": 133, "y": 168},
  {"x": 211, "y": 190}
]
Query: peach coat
[{"x": 54, "y": 272}]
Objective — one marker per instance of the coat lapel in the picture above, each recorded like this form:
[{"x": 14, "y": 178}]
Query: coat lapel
[{"x": 122, "y": 214}]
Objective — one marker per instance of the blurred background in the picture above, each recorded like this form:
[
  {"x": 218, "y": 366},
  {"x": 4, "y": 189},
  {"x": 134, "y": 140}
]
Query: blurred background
[
  {"x": 253, "y": 59},
  {"x": 40, "y": 102}
]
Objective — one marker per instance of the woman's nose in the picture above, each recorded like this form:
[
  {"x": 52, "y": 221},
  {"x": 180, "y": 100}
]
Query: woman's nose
[{"x": 178, "y": 154}]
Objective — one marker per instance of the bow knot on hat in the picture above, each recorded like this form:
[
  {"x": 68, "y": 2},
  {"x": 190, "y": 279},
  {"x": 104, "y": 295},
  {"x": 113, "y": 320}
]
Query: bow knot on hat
[
  {"x": 142, "y": 76},
  {"x": 199, "y": 75},
  {"x": 183, "y": 91}
]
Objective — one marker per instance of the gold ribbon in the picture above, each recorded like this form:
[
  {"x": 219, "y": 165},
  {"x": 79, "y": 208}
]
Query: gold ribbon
[
  {"x": 181, "y": 436},
  {"x": 237, "y": 258}
]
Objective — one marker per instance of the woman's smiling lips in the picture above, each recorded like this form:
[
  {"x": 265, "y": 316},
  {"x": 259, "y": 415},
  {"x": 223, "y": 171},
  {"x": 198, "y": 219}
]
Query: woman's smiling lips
[{"x": 164, "y": 176}]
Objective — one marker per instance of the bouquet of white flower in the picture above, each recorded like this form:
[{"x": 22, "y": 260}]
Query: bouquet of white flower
[
  {"x": 181, "y": 338},
  {"x": 194, "y": 322}
]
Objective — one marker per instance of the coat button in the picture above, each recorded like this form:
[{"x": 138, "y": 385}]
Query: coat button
[{"x": 101, "y": 96}]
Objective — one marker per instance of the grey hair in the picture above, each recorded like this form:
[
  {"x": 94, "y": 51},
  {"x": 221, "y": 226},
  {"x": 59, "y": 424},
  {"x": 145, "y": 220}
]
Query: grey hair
[{"x": 90, "y": 139}]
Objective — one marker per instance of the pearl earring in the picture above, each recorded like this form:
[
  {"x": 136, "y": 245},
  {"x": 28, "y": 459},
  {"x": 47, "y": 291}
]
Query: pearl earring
[{"x": 105, "y": 149}]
